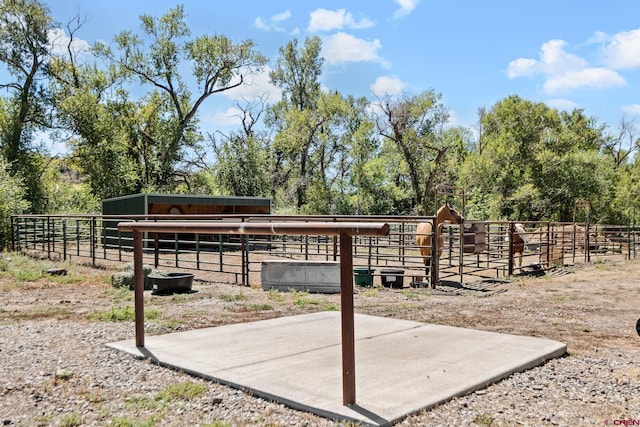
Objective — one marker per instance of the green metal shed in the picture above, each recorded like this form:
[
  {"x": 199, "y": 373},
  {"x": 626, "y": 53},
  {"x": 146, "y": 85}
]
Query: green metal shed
[{"x": 177, "y": 204}]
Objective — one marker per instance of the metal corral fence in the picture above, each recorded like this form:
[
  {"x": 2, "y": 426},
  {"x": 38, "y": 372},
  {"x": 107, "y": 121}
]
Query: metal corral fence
[{"x": 472, "y": 251}]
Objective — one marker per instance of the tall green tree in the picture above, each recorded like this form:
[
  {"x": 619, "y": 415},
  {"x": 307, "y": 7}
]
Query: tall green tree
[
  {"x": 163, "y": 125},
  {"x": 310, "y": 150},
  {"x": 296, "y": 73},
  {"x": 25, "y": 52},
  {"x": 415, "y": 126},
  {"x": 98, "y": 120},
  {"x": 329, "y": 153},
  {"x": 621, "y": 146},
  {"x": 535, "y": 162},
  {"x": 12, "y": 200},
  {"x": 242, "y": 163},
  {"x": 359, "y": 183}
]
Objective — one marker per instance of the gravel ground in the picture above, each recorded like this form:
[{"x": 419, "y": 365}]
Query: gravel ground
[{"x": 56, "y": 370}]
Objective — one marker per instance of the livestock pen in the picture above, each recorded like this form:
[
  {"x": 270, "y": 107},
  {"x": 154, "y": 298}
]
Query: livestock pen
[{"x": 475, "y": 250}]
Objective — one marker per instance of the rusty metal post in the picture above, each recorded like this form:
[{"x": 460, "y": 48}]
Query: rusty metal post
[
  {"x": 587, "y": 242},
  {"x": 48, "y": 237},
  {"x": 138, "y": 280},
  {"x": 156, "y": 250},
  {"x": 346, "y": 311},
  {"x": 243, "y": 263},
  {"x": 549, "y": 243},
  {"x": 92, "y": 237}
]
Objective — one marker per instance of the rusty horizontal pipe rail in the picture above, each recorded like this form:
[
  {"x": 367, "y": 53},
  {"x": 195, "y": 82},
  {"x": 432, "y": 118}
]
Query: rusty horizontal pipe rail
[
  {"x": 262, "y": 228},
  {"x": 343, "y": 229}
]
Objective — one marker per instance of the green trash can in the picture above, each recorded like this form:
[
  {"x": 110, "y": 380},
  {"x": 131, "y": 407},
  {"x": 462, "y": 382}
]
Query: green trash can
[{"x": 363, "y": 276}]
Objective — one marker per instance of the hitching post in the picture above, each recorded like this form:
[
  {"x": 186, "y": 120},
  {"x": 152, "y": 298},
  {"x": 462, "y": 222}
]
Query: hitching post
[
  {"x": 346, "y": 312},
  {"x": 343, "y": 229},
  {"x": 138, "y": 281}
]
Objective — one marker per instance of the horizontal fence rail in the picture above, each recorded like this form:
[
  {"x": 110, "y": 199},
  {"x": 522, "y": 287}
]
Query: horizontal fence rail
[{"x": 471, "y": 251}]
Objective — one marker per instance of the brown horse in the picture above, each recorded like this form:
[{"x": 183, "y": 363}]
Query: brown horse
[
  {"x": 424, "y": 232},
  {"x": 520, "y": 240}
]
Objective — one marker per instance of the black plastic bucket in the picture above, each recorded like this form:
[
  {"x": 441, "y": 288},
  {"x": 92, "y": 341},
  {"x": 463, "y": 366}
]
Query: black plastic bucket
[{"x": 392, "y": 278}]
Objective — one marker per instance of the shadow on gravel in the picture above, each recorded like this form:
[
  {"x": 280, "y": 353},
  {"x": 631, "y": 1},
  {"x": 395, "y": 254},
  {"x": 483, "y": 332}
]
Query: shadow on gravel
[{"x": 482, "y": 288}]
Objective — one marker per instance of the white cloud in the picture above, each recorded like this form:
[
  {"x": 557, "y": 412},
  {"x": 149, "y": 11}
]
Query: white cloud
[
  {"x": 256, "y": 86},
  {"x": 563, "y": 70},
  {"x": 406, "y": 7},
  {"x": 386, "y": 85},
  {"x": 633, "y": 109},
  {"x": 591, "y": 78},
  {"x": 342, "y": 47},
  {"x": 561, "y": 104},
  {"x": 327, "y": 20},
  {"x": 260, "y": 24},
  {"x": 232, "y": 116},
  {"x": 623, "y": 51},
  {"x": 553, "y": 60},
  {"x": 282, "y": 16},
  {"x": 598, "y": 37},
  {"x": 273, "y": 23},
  {"x": 59, "y": 42},
  {"x": 522, "y": 67}
]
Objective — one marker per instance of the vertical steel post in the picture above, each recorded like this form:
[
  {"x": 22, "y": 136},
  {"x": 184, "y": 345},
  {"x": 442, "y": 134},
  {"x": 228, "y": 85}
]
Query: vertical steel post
[
  {"x": 77, "y": 237},
  {"x": 176, "y": 248},
  {"x": 138, "y": 280},
  {"x": 510, "y": 242},
  {"x": 549, "y": 243},
  {"x": 64, "y": 239},
  {"x": 435, "y": 253},
  {"x": 245, "y": 259},
  {"x": 461, "y": 251},
  {"x": 587, "y": 242},
  {"x": 13, "y": 241},
  {"x": 48, "y": 237},
  {"x": 402, "y": 244},
  {"x": 220, "y": 255},
  {"x": 346, "y": 311},
  {"x": 119, "y": 246},
  {"x": 198, "y": 251},
  {"x": 42, "y": 234},
  {"x": 92, "y": 237},
  {"x": 573, "y": 241},
  {"x": 306, "y": 248}
]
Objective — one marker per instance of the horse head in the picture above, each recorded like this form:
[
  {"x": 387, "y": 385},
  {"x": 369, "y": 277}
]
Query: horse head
[{"x": 448, "y": 213}]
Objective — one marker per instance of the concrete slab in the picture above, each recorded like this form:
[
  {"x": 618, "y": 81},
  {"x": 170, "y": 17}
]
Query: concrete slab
[{"x": 401, "y": 366}]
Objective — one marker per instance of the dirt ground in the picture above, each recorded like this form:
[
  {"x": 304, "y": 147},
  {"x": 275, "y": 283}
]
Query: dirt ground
[
  {"x": 590, "y": 307},
  {"x": 54, "y": 326}
]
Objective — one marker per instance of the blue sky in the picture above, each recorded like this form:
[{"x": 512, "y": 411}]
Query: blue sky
[{"x": 567, "y": 53}]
